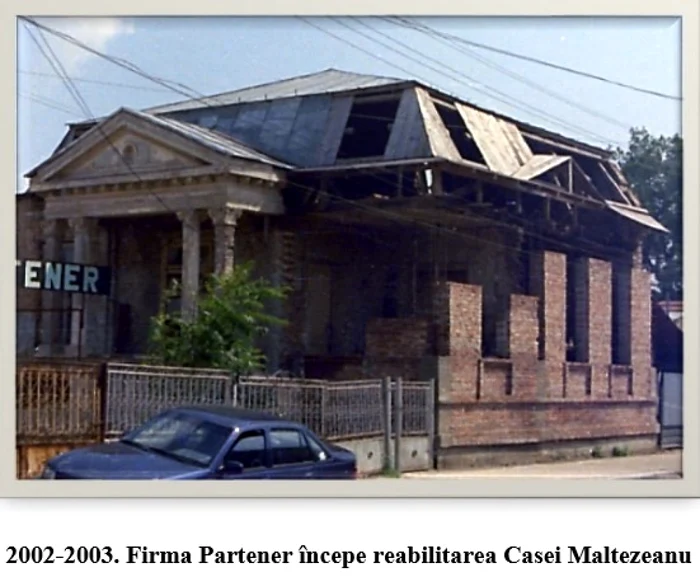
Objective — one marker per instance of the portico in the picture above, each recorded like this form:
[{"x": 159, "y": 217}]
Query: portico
[{"x": 149, "y": 174}]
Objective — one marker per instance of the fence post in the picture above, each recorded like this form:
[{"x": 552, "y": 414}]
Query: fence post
[
  {"x": 386, "y": 418},
  {"x": 228, "y": 386},
  {"x": 398, "y": 413},
  {"x": 430, "y": 422}
]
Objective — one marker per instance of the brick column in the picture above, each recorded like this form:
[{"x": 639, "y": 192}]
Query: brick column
[
  {"x": 191, "y": 224},
  {"x": 458, "y": 312},
  {"x": 523, "y": 345},
  {"x": 643, "y": 385},
  {"x": 548, "y": 283},
  {"x": 593, "y": 307},
  {"x": 225, "y": 220}
]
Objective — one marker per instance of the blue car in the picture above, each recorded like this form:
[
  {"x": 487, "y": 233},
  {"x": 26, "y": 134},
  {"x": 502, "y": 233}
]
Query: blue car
[{"x": 208, "y": 443}]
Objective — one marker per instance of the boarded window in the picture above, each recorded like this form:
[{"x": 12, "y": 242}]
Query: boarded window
[{"x": 368, "y": 128}]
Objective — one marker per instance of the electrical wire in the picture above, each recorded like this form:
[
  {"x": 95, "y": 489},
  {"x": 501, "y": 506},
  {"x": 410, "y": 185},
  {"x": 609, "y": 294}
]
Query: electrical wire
[
  {"x": 548, "y": 64},
  {"x": 385, "y": 213}
]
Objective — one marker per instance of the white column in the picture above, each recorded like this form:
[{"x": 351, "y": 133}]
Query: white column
[{"x": 191, "y": 225}]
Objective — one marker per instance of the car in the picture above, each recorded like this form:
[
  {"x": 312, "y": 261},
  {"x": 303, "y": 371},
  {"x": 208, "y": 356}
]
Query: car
[{"x": 223, "y": 443}]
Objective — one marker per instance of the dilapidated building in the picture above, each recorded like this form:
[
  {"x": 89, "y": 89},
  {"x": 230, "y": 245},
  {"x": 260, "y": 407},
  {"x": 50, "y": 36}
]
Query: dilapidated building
[{"x": 422, "y": 237}]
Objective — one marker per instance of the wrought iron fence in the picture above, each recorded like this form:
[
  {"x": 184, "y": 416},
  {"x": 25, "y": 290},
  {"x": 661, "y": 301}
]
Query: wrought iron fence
[
  {"x": 135, "y": 393},
  {"x": 57, "y": 402}
]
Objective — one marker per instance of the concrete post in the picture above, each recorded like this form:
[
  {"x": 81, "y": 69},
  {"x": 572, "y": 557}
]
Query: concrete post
[
  {"x": 191, "y": 225},
  {"x": 225, "y": 220},
  {"x": 51, "y": 302}
]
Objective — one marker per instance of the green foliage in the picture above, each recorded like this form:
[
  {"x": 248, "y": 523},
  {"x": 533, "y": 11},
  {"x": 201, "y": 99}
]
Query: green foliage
[
  {"x": 654, "y": 168},
  {"x": 597, "y": 453},
  {"x": 620, "y": 452},
  {"x": 231, "y": 317}
]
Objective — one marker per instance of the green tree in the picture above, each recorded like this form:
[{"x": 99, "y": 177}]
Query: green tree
[
  {"x": 230, "y": 318},
  {"x": 653, "y": 165}
]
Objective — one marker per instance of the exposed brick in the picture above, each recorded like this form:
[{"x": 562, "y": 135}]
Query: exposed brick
[
  {"x": 397, "y": 338},
  {"x": 516, "y": 423},
  {"x": 642, "y": 379},
  {"x": 548, "y": 282}
]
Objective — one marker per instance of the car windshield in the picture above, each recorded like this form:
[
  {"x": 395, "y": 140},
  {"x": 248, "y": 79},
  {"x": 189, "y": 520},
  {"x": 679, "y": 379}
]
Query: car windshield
[{"x": 181, "y": 436}]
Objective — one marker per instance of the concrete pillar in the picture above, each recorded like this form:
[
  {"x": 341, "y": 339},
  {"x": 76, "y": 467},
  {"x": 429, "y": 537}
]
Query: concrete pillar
[
  {"x": 191, "y": 232},
  {"x": 88, "y": 322},
  {"x": 225, "y": 220},
  {"x": 51, "y": 301}
]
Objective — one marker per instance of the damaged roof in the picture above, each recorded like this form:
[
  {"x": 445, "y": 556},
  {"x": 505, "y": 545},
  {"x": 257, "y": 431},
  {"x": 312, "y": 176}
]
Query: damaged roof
[{"x": 335, "y": 118}]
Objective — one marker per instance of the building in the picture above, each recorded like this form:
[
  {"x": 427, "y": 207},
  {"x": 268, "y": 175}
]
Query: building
[{"x": 422, "y": 237}]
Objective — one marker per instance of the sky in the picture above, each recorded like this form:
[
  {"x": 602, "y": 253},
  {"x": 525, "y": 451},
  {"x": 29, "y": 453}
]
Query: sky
[{"x": 214, "y": 55}]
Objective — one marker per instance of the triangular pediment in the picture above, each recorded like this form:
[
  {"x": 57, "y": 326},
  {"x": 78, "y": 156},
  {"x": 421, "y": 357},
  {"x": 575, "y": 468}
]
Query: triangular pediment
[{"x": 130, "y": 145}]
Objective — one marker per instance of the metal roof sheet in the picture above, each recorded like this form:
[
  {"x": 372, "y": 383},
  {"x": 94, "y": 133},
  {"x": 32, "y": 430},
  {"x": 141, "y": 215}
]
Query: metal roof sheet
[
  {"x": 212, "y": 139},
  {"x": 324, "y": 82},
  {"x": 638, "y": 215}
]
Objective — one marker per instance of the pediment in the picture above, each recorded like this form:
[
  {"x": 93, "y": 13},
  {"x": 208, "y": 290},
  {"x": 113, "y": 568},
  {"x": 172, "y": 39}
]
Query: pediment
[
  {"x": 124, "y": 153},
  {"x": 124, "y": 147}
]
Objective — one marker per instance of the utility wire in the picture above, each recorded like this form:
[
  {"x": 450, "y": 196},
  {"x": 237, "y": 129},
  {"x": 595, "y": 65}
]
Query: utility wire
[
  {"x": 47, "y": 102},
  {"x": 473, "y": 84},
  {"x": 58, "y": 67},
  {"x": 507, "y": 72},
  {"x": 385, "y": 213},
  {"x": 543, "y": 62},
  {"x": 92, "y": 81}
]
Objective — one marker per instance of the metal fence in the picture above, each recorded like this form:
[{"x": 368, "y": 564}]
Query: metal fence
[
  {"x": 58, "y": 403},
  {"x": 334, "y": 410},
  {"x": 135, "y": 393}
]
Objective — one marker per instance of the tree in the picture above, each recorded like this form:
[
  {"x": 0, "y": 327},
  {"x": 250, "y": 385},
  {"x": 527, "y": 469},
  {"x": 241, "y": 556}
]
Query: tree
[
  {"x": 230, "y": 318},
  {"x": 654, "y": 168}
]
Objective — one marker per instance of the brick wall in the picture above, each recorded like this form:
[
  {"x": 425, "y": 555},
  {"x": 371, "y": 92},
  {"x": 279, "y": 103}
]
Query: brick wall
[
  {"x": 496, "y": 424},
  {"x": 524, "y": 399}
]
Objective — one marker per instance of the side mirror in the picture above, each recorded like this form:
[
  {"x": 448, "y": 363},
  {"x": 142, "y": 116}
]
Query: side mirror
[{"x": 232, "y": 467}]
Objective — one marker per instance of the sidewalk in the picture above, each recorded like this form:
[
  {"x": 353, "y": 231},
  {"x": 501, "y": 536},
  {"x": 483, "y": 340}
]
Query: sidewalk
[{"x": 664, "y": 465}]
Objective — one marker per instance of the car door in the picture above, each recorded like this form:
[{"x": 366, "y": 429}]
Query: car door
[
  {"x": 250, "y": 450},
  {"x": 291, "y": 457}
]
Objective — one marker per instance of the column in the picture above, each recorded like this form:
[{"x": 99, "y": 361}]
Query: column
[
  {"x": 51, "y": 301},
  {"x": 191, "y": 228},
  {"x": 225, "y": 220},
  {"x": 82, "y": 305}
]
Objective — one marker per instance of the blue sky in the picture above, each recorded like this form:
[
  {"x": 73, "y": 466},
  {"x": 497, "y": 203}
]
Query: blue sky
[{"x": 213, "y": 55}]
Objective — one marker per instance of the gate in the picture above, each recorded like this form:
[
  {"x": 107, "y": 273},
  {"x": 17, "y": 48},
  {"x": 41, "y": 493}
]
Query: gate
[
  {"x": 671, "y": 410},
  {"x": 58, "y": 407}
]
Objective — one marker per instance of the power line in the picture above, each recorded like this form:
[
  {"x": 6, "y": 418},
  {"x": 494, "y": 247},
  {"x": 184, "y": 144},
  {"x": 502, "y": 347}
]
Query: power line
[
  {"x": 546, "y": 63},
  {"x": 91, "y": 81},
  {"x": 56, "y": 64},
  {"x": 47, "y": 102},
  {"x": 388, "y": 214},
  {"x": 507, "y": 72},
  {"x": 474, "y": 84}
]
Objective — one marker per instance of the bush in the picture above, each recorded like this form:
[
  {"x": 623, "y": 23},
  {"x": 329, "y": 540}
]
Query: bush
[
  {"x": 620, "y": 452},
  {"x": 230, "y": 318}
]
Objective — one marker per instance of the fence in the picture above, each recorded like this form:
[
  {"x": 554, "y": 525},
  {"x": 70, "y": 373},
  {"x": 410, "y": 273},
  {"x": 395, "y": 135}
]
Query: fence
[
  {"x": 60, "y": 404},
  {"x": 58, "y": 407}
]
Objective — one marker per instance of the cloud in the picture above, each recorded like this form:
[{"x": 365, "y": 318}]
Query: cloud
[{"x": 95, "y": 32}]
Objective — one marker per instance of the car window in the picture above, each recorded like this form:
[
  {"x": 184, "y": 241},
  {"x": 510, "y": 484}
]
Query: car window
[
  {"x": 249, "y": 450},
  {"x": 181, "y": 436},
  {"x": 289, "y": 447}
]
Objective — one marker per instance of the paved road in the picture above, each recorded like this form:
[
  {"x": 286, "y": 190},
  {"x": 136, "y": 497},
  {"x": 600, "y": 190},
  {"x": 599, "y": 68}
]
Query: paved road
[{"x": 664, "y": 465}]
